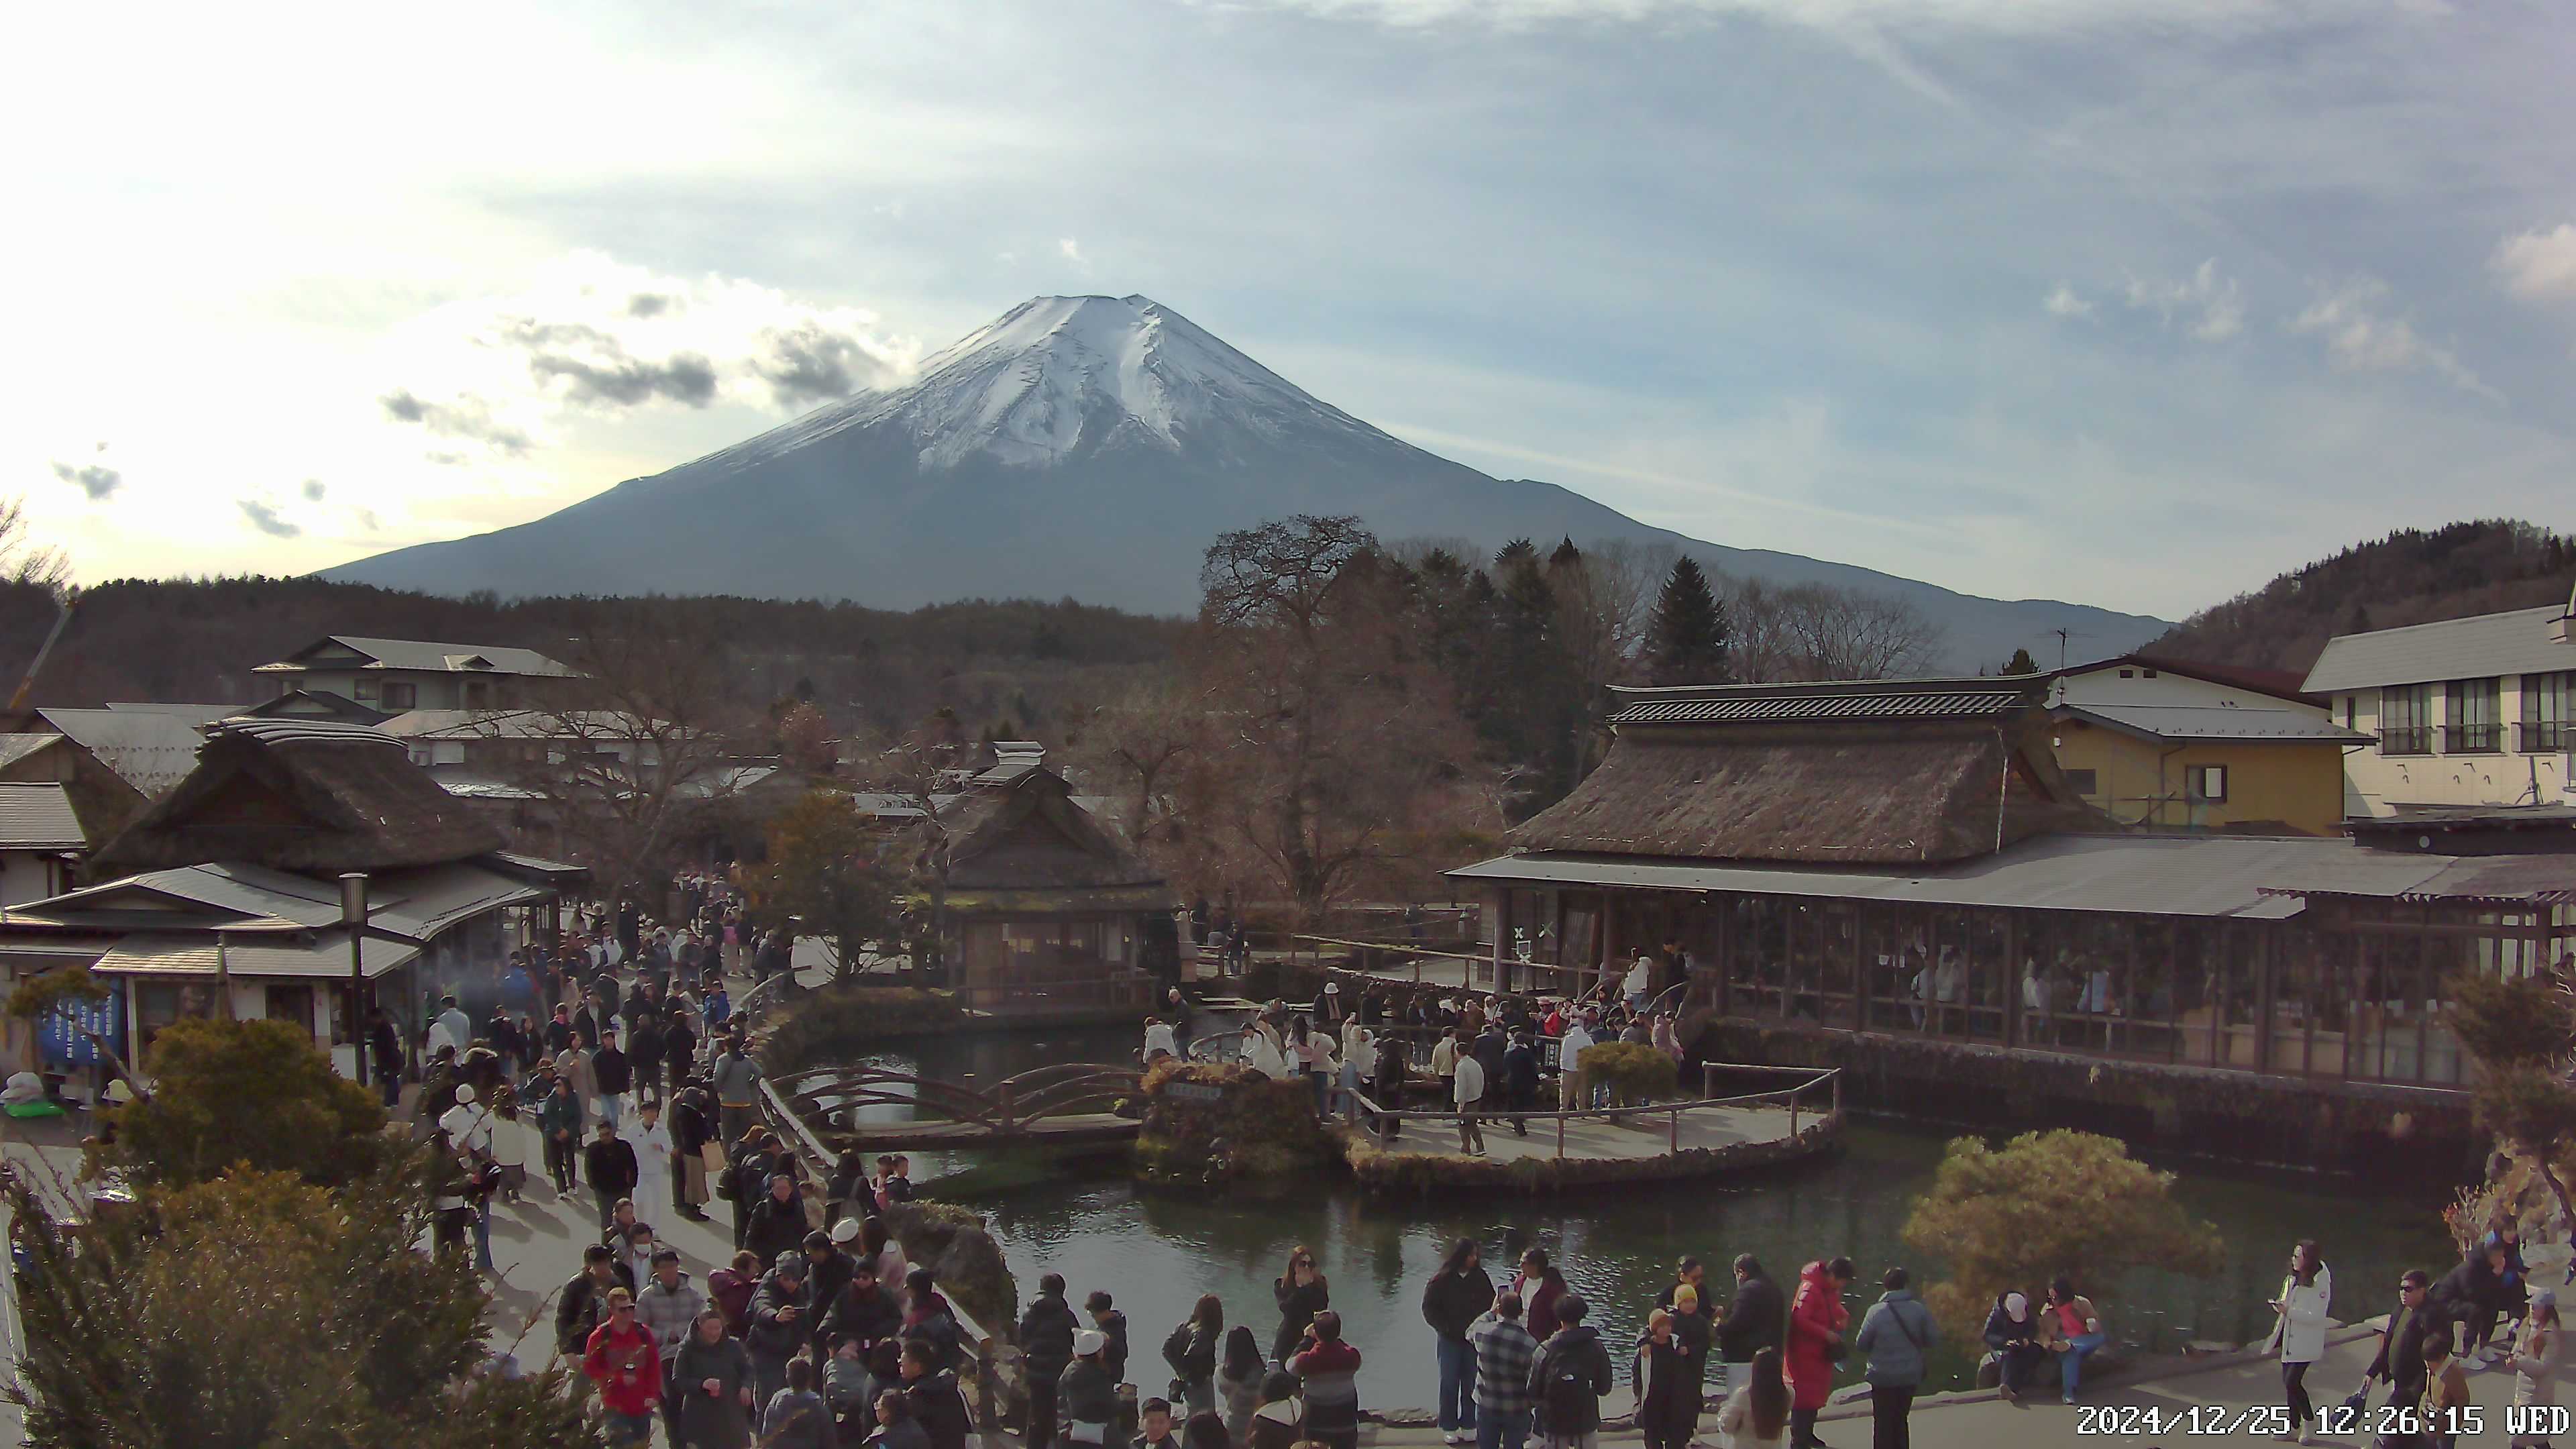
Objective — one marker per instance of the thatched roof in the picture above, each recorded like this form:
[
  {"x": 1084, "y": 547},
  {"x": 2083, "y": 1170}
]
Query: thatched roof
[
  {"x": 304, "y": 796},
  {"x": 1894, "y": 774},
  {"x": 1027, "y": 834}
]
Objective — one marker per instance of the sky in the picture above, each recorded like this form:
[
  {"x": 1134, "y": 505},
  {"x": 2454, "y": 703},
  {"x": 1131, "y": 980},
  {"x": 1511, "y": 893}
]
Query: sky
[{"x": 2128, "y": 302}]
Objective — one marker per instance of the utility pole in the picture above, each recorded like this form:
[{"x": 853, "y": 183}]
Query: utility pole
[{"x": 353, "y": 916}]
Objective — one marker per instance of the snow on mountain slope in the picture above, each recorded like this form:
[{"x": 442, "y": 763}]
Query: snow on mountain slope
[
  {"x": 1089, "y": 447},
  {"x": 1058, "y": 375}
]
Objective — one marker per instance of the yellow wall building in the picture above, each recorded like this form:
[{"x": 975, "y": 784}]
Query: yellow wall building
[{"x": 2175, "y": 746}]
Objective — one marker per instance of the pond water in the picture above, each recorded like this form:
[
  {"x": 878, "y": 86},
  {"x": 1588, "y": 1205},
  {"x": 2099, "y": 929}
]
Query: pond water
[{"x": 1157, "y": 1250}]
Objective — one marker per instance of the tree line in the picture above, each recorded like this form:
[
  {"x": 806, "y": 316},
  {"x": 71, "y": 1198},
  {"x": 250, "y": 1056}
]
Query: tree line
[{"x": 1346, "y": 714}]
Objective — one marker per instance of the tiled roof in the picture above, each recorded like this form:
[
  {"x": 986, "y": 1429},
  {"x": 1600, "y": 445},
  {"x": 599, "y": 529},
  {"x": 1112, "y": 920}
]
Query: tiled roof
[
  {"x": 1893, "y": 700},
  {"x": 14, "y": 748},
  {"x": 151, "y": 752},
  {"x": 322, "y": 956},
  {"x": 2214, "y": 722},
  {"x": 423, "y": 655}
]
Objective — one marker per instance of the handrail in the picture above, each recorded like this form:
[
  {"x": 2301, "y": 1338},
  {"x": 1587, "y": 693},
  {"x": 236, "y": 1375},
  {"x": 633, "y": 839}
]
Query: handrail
[
  {"x": 1630, "y": 1110},
  {"x": 1408, "y": 950}
]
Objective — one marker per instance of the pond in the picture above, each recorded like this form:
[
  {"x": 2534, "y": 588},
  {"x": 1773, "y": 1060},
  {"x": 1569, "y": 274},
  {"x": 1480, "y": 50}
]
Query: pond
[{"x": 1156, "y": 1251}]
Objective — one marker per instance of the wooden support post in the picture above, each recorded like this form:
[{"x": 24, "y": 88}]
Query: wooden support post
[
  {"x": 1677, "y": 1131},
  {"x": 988, "y": 1396},
  {"x": 1560, "y": 1135},
  {"x": 1793, "y": 1116},
  {"x": 1838, "y": 1096}
]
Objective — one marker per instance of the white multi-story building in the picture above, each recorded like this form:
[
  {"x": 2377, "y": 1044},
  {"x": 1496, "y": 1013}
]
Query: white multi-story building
[{"x": 2465, "y": 712}]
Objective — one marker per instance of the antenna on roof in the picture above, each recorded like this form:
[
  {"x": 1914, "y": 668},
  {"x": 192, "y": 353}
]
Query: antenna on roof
[{"x": 2062, "y": 636}]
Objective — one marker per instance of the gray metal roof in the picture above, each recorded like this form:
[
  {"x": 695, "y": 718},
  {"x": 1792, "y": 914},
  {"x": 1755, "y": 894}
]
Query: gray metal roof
[
  {"x": 38, "y": 817},
  {"x": 415, "y": 903},
  {"x": 195, "y": 716},
  {"x": 2515, "y": 642},
  {"x": 2213, "y": 722},
  {"x": 1894, "y": 703},
  {"x": 14, "y": 748},
  {"x": 424, "y": 655},
  {"x": 2200, "y": 876},
  {"x": 324, "y": 956},
  {"x": 148, "y": 751}
]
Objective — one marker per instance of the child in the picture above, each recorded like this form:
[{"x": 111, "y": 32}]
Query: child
[
  {"x": 2446, "y": 1389},
  {"x": 1154, "y": 1418},
  {"x": 846, "y": 1389},
  {"x": 896, "y": 1428},
  {"x": 797, "y": 1417}
]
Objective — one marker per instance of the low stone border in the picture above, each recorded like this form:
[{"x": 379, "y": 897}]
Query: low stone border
[
  {"x": 1381, "y": 1171},
  {"x": 1852, "y": 1400}
]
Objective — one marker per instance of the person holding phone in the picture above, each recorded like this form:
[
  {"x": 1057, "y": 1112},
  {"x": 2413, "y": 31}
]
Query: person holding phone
[
  {"x": 712, "y": 1373},
  {"x": 2300, "y": 1336}
]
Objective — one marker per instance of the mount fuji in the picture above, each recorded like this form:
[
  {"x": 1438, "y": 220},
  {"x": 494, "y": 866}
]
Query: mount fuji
[{"x": 1089, "y": 447}]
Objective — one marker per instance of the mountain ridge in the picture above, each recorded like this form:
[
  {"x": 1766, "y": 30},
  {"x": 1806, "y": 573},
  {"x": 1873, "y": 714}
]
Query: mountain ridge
[{"x": 1087, "y": 447}]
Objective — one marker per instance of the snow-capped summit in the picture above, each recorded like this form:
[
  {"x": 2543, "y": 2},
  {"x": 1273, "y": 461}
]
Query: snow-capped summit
[
  {"x": 1087, "y": 448},
  {"x": 1056, "y": 376}
]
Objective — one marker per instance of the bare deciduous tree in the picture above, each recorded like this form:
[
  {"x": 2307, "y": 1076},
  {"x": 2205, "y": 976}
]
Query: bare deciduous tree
[
  {"x": 24, "y": 561},
  {"x": 1815, "y": 631}
]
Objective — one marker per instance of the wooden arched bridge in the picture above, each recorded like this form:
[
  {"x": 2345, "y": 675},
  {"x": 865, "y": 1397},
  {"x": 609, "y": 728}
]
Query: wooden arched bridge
[{"x": 1070, "y": 1102}]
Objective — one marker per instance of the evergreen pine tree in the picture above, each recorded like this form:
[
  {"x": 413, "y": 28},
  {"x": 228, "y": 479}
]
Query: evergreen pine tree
[
  {"x": 1686, "y": 640},
  {"x": 2021, "y": 663}
]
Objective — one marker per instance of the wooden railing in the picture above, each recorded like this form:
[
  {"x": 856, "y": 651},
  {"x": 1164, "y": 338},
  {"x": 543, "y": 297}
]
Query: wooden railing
[
  {"x": 1063, "y": 1090},
  {"x": 1123, "y": 990},
  {"x": 1367, "y": 1115}
]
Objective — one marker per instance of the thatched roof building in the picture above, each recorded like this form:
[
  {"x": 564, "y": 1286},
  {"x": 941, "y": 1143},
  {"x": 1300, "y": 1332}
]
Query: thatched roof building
[
  {"x": 305, "y": 796},
  {"x": 1842, "y": 773},
  {"x": 1024, "y": 842}
]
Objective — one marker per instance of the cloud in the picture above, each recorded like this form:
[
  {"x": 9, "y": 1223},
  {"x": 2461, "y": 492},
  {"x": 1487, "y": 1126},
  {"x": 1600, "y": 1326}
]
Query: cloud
[
  {"x": 591, "y": 335},
  {"x": 313, "y": 490},
  {"x": 465, "y": 417},
  {"x": 2064, "y": 303},
  {"x": 2539, "y": 266},
  {"x": 95, "y": 479},
  {"x": 1069, "y": 249},
  {"x": 623, "y": 382},
  {"x": 2360, "y": 338},
  {"x": 367, "y": 520},
  {"x": 809, "y": 363},
  {"x": 2208, "y": 305},
  {"x": 263, "y": 516}
]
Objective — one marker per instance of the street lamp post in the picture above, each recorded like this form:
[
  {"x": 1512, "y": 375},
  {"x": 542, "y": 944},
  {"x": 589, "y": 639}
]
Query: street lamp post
[{"x": 353, "y": 916}]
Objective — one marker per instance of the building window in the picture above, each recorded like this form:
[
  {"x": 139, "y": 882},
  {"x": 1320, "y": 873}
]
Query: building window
[
  {"x": 401, "y": 696},
  {"x": 478, "y": 694},
  {"x": 364, "y": 688},
  {"x": 2082, "y": 782},
  {"x": 2128, "y": 674},
  {"x": 2406, "y": 720},
  {"x": 2545, "y": 701},
  {"x": 2206, "y": 783},
  {"x": 2474, "y": 715},
  {"x": 2349, "y": 710}
]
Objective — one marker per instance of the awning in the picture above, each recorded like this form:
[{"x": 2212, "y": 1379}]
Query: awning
[
  {"x": 319, "y": 958},
  {"x": 1103, "y": 900}
]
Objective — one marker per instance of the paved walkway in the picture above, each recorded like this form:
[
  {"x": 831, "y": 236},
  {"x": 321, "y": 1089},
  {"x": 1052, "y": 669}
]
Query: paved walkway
[{"x": 1637, "y": 1138}]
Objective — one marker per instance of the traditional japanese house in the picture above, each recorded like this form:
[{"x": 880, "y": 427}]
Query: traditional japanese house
[
  {"x": 1897, "y": 877},
  {"x": 1044, "y": 907},
  {"x": 226, "y": 894}
]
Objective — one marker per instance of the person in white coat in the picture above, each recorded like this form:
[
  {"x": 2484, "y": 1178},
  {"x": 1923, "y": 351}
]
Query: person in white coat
[
  {"x": 2306, "y": 1293},
  {"x": 1263, "y": 1051},
  {"x": 653, "y": 1165}
]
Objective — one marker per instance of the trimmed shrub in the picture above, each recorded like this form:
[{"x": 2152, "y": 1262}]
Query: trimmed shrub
[
  {"x": 1634, "y": 1072},
  {"x": 829, "y": 1023}
]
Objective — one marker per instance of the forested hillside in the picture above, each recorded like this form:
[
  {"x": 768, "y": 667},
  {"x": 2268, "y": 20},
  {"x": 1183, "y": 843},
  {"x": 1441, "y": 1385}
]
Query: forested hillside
[
  {"x": 2410, "y": 577},
  {"x": 1010, "y": 666}
]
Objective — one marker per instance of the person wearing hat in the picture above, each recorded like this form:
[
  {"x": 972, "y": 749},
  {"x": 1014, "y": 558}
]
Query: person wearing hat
[
  {"x": 468, "y": 1124},
  {"x": 1329, "y": 1011},
  {"x": 622, "y": 1358},
  {"x": 1087, "y": 1395},
  {"x": 827, "y": 1272},
  {"x": 866, "y": 1311},
  {"x": 781, "y": 1322}
]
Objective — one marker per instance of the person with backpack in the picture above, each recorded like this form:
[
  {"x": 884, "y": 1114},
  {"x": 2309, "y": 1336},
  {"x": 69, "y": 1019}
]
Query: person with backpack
[
  {"x": 1452, "y": 1302},
  {"x": 1087, "y": 1395},
  {"x": 1239, "y": 1376},
  {"x": 1817, "y": 1319},
  {"x": 1897, "y": 1334},
  {"x": 1568, "y": 1378},
  {"x": 1046, "y": 1346}
]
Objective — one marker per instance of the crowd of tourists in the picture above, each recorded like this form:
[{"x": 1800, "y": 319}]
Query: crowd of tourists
[{"x": 1487, "y": 1056}]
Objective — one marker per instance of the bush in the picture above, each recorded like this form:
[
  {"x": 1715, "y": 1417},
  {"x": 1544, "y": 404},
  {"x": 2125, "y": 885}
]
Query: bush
[
  {"x": 247, "y": 1093},
  {"x": 2049, "y": 1203},
  {"x": 260, "y": 1309},
  {"x": 830, "y": 1023},
  {"x": 1634, "y": 1072},
  {"x": 1257, "y": 1125},
  {"x": 951, "y": 1242}
]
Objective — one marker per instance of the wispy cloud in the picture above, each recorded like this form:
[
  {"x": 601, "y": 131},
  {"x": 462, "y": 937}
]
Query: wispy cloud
[
  {"x": 2207, "y": 304},
  {"x": 2062, "y": 302},
  {"x": 97, "y": 480},
  {"x": 593, "y": 335},
  {"x": 314, "y": 492},
  {"x": 2360, "y": 337},
  {"x": 1069, "y": 249},
  {"x": 264, "y": 516},
  {"x": 2539, "y": 266}
]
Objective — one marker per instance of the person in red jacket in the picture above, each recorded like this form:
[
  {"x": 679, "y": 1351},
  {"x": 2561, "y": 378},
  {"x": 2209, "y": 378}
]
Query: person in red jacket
[
  {"x": 1817, "y": 1320},
  {"x": 626, "y": 1364}
]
